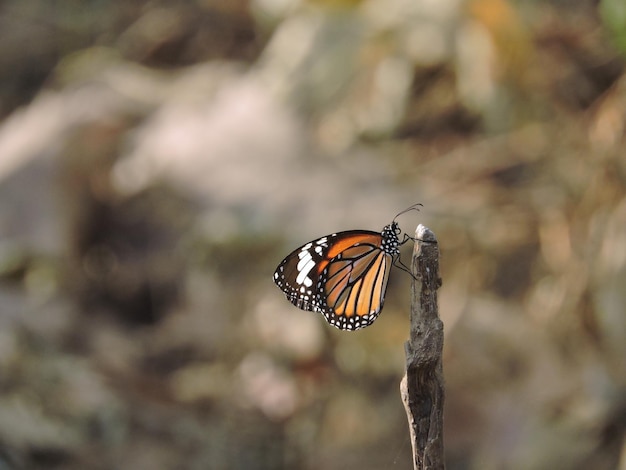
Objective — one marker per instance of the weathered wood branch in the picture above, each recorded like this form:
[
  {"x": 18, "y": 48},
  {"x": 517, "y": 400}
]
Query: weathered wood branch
[{"x": 422, "y": 387}]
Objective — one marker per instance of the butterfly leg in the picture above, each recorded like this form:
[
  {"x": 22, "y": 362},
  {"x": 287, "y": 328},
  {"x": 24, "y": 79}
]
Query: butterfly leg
[
  {"x": 406, "y": 238},
  {"x": 399, "y": 264}
]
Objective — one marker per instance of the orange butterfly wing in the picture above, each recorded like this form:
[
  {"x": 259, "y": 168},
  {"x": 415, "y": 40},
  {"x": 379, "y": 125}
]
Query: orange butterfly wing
[
  {"x": 343, "y": 276},
  {"x": 355, "y": 286}
]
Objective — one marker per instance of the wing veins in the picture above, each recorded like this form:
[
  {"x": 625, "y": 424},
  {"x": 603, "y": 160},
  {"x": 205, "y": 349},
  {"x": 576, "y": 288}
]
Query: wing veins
[
  {"x": 381, "y": 267},
  {"x": 351, "y": 266},
  {"x": 349, "y": 285}
]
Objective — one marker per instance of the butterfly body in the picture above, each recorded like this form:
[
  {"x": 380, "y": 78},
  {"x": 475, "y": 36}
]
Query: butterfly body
[{"x": 343, "y": 275}]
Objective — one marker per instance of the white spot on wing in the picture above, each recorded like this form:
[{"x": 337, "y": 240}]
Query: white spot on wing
[
  {"x": 304, "y": 270},
  {"x": 304, "y": 261}
]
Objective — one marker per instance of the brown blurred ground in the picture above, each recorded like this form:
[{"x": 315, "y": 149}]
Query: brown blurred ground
[{"x": 158, "y": 159}]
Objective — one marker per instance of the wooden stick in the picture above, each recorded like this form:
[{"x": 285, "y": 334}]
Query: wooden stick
[{"x": 422, "y": 388}]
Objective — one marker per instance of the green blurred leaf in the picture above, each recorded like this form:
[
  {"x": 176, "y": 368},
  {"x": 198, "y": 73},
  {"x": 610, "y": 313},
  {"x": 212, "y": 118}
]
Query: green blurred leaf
[{"x": 613, "y": 13}]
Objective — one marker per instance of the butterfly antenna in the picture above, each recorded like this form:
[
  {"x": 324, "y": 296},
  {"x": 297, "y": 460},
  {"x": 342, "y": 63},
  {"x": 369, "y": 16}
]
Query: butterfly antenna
[{"x": 414, "y": 207}]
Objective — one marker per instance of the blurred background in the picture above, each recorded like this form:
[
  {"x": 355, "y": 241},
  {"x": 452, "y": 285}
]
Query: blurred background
[{"x": 159, "y": 158}]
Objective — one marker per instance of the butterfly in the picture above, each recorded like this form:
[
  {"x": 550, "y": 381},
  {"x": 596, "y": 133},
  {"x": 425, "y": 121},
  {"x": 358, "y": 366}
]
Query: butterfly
[{"x": 343, "y": 275}]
